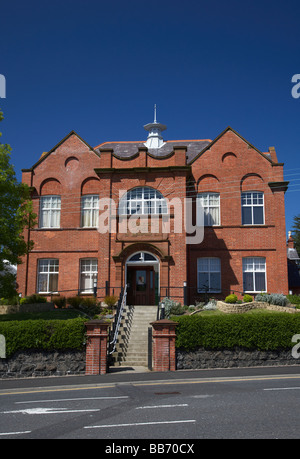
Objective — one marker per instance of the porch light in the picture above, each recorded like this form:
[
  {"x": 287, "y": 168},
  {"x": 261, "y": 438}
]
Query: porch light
[{"x": 162, "y": 316}]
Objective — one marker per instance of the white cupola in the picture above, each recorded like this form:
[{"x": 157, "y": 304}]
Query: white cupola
[{"x": 155, "y": 139}]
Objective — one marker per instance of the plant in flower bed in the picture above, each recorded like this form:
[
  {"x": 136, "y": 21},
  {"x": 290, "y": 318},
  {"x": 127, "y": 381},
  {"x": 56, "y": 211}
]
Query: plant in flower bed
[
  {"x": 59, "y": 301},
  {"x": 88, "y": 306},
  {"x": 172, "y": 307},
  {"x": 234, "y": 299},
  {"x": 295, "y": 300},
  {"x": 247, "y": 298},
  {"x": 231, "y": 298},
  {"x": 278, "y": 299},
  {"x": 110, "y": 301},
  {"x": 9, "y": 301},
  {"x": 33, "y": 299}
]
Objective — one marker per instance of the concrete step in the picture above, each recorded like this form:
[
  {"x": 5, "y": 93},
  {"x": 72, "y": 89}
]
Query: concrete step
[{"x": 132, "y": 345}]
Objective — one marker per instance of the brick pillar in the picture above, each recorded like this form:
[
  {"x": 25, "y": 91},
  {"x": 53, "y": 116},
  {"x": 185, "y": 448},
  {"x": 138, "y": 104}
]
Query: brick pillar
[
  {"x": 164, "y": 335},
  {"x": 96, "y": 348}
]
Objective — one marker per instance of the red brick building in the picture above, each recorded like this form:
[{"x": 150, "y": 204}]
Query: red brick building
[{"x": 240, "y": 189}]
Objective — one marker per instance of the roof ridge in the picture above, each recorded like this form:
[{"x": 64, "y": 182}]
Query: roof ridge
[{"x": 142, "y": 141}]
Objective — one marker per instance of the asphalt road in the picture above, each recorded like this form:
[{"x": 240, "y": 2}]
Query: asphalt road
[{"x": 171, "y": 410}]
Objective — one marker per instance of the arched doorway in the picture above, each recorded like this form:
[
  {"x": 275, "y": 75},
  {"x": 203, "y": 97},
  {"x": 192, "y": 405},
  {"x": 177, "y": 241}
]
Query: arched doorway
[{"x": 142, "y": 279}]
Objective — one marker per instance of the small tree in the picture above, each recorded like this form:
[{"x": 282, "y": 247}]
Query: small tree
[{"x": 16, "y": 215}]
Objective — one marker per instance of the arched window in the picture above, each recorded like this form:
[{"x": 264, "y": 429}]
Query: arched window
[
  {"x": 142, "y": 257},
  {"x": 143, "y": 201}
]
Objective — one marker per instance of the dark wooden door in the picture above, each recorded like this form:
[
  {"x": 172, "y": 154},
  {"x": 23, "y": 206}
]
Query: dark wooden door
[{"x": 141, "y": 287}]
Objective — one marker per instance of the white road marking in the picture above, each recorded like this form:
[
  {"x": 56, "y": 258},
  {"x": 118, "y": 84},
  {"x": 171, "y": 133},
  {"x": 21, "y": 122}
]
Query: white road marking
[
  {"x": 71, "y": 399},
  {"x": 46, "y": 411},
  {"x": 140, "y": 424},
  {"x": 160, "y": 406},
  {"x": 282, "y": 388},
  {"x": 15, "y": 433}
]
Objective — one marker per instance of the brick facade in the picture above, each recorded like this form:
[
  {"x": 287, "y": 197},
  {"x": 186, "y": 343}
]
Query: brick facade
[{"x": 228, "y": 165}]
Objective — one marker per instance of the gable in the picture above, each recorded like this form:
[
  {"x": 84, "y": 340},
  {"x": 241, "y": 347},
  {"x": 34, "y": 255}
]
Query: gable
[
  {"x": 70, "y": 143},
  {"x": 223, "y": 135}
]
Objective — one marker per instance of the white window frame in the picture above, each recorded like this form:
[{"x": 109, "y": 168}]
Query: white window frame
[
  {"x": 203, "y": 199},
  {"x": 209, "y": 271},
  {"x": 252, "y": 205},
  {"x": 51, "y": 211},
  {"x": 52, "y": 268},
  {"x": 143, "y": 201},
  {"x": 90, "y": 212},
  {"x": 90, "y": 270},
  {"x": 258, "y": 265}
]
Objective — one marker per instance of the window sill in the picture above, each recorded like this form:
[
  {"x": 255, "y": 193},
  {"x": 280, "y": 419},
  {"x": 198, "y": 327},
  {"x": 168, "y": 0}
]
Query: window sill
[
  {"x": 241, "y": 226},
  {"x": 76, "y": 228},
  {"x": 48, "y": 293},
  {"x": 48, "y": 228}
]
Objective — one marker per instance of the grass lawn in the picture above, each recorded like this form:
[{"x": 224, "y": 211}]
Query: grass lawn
[{"x": 215, "y": 312}]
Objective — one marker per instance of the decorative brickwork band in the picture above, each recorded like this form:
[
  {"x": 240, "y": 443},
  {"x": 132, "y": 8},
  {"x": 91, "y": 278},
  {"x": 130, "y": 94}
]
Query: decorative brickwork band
[
  {"x": 96, "y": 348},
  {"x": 164, "y": 336}
]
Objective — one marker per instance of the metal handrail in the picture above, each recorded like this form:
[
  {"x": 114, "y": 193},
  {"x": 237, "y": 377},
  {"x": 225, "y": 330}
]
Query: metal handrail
[{"x": 118, "y": 322}]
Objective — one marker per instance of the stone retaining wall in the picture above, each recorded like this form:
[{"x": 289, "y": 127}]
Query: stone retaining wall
[
  {"x": 235, "y": 308},
  {"x": 231, "y": 358},
  {"x": 25, "y": 364}
]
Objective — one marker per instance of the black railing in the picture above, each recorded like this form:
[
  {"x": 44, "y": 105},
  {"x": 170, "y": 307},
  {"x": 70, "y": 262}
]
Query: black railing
[
  {"x": 113, "y": 334},
  {"x": 181, "y": 294}
]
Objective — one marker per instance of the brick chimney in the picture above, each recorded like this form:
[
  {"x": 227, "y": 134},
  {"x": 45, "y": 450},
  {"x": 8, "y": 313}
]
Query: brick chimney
[{"x": 290, "y": 242}]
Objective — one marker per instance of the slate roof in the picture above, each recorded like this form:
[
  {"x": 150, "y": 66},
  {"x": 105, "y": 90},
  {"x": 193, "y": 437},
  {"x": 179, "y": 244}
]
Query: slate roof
[
  {"x": 129, "y": 149},
  {"x": 292, "y": 254}
]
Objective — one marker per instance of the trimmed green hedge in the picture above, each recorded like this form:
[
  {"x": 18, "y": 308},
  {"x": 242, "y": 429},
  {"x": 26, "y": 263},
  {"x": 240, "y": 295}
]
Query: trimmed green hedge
[
  {"x": 43, "y": 334},
  {"x": 262, "y": 332}
]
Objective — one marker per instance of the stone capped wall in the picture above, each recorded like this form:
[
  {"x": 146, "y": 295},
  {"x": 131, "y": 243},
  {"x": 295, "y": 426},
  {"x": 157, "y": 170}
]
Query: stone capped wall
[{"x": 35, "y": 363}]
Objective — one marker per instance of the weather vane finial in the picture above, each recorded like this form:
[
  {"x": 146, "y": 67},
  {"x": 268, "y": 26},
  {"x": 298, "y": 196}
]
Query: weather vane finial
[{"x": 154, "y": 139}]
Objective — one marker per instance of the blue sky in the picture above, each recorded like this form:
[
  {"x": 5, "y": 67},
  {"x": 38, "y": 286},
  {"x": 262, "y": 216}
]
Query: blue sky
[{"x": 99, "y": 67}]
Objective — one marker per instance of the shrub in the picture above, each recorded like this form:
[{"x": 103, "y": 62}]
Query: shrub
[
  {"x": 171, "y": 307},
  {"x": 231, "y": 298},
  {"x": 88, "y": 306},
  {"x": 211, "y": 305},
  {"x": 59, "y": 301},
  {"x": 43, "y": 334},
  {"x": 278, "y": 299},
  {"x": 110, "y": 300},
  {"x": 247, "y": 298},
  {"x": 9, "y": 301},
  {"x": 74, "y": 301},
  {"x": 266, "y": 331},
  {"x": 294, "y": 299},
  {"x": 177, "y": 310},
  {"x": 33, "y": 299}
]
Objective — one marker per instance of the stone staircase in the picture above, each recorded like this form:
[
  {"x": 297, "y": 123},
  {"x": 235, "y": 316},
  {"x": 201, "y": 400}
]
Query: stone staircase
[{"x": 132, "y": 345}]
